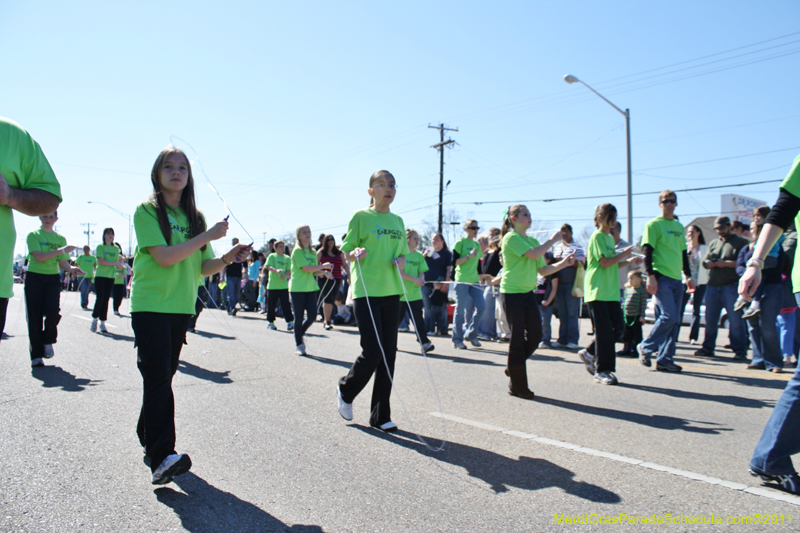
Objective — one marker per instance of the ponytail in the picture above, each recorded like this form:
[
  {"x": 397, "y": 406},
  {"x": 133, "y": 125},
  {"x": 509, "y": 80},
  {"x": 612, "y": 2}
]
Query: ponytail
[{"x": 512, "y": 211}]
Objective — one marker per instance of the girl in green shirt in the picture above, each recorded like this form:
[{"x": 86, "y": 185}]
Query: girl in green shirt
[
  {"x": 173, "y": 252},
  {"x": 303, "y": 287},
  {"x": 601, "y": 289},
  {"x": 375, "y": 242},
  {"x": 413, "y": 275},
  {"x": 107, "y": 264},
  {"x": 278, "y": 286},
  {"x": 522, "y": 260}
]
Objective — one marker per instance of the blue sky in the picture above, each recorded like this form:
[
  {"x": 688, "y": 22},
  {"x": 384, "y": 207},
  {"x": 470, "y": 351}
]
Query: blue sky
[{"x": 291, "y": 106}]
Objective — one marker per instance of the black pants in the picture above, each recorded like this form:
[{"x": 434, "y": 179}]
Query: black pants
[
  {"x": 386, "y": 311},
  {"x": 525, "y": 322},
  {"x": 118, "y": 294},
  {"x": 633, "y": 333},
  {"x": 608, "y": 328},
  {"x": 159, "y": 339},
  {"x": 303, "y": 303},
  {"x": 329, "y": 288},
  {"x": 3, "y": 308},
  {"x": 416, "y": 312},
  {"x": 102, "y": 293},
  {"x": 198, "y": 306},
  {"x": 279, "y": 295},
  {"x": 42, "y": 293}
]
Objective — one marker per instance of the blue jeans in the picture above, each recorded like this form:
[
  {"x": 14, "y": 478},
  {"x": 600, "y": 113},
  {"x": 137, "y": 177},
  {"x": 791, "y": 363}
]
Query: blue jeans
[
  {"x": 438, "y": 319},
  {"x": 547, "y": 317},
  {"x": 487, "y": 326},
  {"x": 716, "y": 299},
  {"x": 234, "y": 289},
  {"x": 786, "y": 326},
  {"x": 764, "y": 329},
  {"x": 86, "y": 288},
  {"x": 467, "y": 296},
  {"x": 569, "y": 311},
  {"x": 427, "y": 290},
  {"x": 781, "y": 437},
  {"x": 662, "y": 337}
]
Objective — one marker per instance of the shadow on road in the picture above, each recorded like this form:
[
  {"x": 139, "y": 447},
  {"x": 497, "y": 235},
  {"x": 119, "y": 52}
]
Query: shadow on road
[
  {"x": 53, "y": 376},
  {"x": 119, "y": 337},
  {"x": 201, "y": 373},
  {"x": 501, "y": 472},
  {"x": 327, "y": 361},
  {"x": 207, "y": 509},
  {"x": 654, "y": 421},
  {"x": 753, "y": 381},
  {"x": 209, "y": 335},
  {"x": 455, "y": 359},
  {"x": 736, "y": 401}
]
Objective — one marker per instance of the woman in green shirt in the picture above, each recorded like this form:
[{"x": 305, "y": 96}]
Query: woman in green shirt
[
  {"x": 601, "y": 291},
  {"x": 107, "y": 264},
  {"x": 413, "y": 275},
  {"x": 278, "y": 286},
  {"x": 303, "y": 287},
  {"x": 173, "y": 252},
  {"x": 522, "y": 260},
  {"x": 375, "y": 242},
  {"x": 469, "y": 295}
]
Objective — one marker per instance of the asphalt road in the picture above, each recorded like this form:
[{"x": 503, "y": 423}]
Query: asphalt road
[{"x": 271, "y": 453}]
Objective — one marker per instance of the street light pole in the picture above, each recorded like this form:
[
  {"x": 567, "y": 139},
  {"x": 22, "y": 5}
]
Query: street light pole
[
  {"x": 130, "y": 227},
  {"x": 572, "y": 79}
]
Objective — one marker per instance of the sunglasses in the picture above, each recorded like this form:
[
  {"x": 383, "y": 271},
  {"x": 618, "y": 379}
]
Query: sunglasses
[
  {"x": 669, "y": 201},
  {"x": 473, "y": 227}
]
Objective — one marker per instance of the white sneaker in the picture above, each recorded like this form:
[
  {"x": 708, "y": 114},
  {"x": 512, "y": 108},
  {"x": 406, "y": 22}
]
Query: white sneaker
[
  {"x": 301, "y": 350},
  {"x": 572, "y": 346},
  {"x": 588, "y": 361},
  {"x": 403, "y": 330},
  {"x": 103, "y": 327},
  {"x": 173, "y": 465},
  {"x": 388, "y": 427},
  {"x": 345, "y": 409},
  {"x": 428, "y": 347},
  {"x": 93, "y": 326},
  {"x": 459, "y": 346},
  {"x": 605, "y": 378},
  {"x": 48, "y": 351}
]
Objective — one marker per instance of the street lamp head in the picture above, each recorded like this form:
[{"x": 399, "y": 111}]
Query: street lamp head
[{"x": 569, "y": 78}]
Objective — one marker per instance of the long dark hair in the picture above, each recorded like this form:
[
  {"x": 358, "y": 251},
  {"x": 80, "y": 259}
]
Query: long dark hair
[
  {"x": 444, "y": 242},
  {"x": 197, "y": 223},
  {"x": 335, "y": 251},
  {"x": 112, "y": 236},
  {"x": 700, "y": 239}
]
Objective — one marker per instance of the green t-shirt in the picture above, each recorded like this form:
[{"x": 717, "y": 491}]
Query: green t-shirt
[
  {"x": 157, "y": 289},
  {"x": 281, "y": 262},
  {"x": 467, "y": 272},
  {"x": 43, "y": 241},
  {"x": 600, "y": 284},
  {"x": 86, "y": 263},
  {"x": 23, "y": 166},
  {"x": 668, "y": 241},
  {"x": 106, "y": 252},
  {"x": 791, "y": 184},
  {"x": 383, "y": 235},
  {"x": 119, "y": 277},
  {"x": 303, "y": 281},
  {"x": 519, "y": 272},
  {"x": 415, "y": 265}
]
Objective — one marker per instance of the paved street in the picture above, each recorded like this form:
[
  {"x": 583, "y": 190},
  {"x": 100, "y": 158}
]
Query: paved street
[{"x": 271, "y": 453}]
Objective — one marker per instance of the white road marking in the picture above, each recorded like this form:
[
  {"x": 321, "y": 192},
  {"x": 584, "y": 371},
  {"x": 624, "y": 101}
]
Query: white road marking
[
  {"x": 89, "y": 319},
  {"x": 758, "y": 491}
]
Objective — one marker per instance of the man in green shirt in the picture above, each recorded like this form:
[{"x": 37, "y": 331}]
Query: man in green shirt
[
  {"x": 87, "y": 263},
  {"x": 27, "y": 185}
]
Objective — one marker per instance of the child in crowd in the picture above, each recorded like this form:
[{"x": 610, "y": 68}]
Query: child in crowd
[
  {"x": 546, "y": 291},
  {"x": 343, "y": 314},
  {"x": 635, "y": 306},
  {"x": 439, "y": 309}
]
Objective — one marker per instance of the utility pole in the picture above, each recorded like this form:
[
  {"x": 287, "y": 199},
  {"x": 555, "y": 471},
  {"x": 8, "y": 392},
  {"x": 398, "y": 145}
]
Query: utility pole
[
  {"x": 88, "y": 232},
  {"x": 440, "y": 146}
]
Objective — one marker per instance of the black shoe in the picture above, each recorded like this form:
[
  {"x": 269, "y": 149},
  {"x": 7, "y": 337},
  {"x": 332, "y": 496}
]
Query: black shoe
[
  {"x": 702, "y": 352},
  {"x": 668, "y": 366},
  {"x": 191, "y": 330},
  {"x": 787, "y": 482},
  {"x": 740, "y": 357}
]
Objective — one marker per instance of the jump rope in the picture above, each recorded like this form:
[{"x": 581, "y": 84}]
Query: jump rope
[{"x": 420, "y": 438}]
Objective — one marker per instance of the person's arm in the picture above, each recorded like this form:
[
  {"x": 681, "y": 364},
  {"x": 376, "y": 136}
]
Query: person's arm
[
  {"x": 553, "y": 289},
  {"x": 66, "y": 267},
  {"x": 316, "y": 268},
  {"x": 345, "y": 265},
  {"x": 606, "y": 262},
  {"x": 168, "y": 255},
  {"x": 652, "y": 281},
  {"x": 539, "y": 251},
  {"x": 555, "y": 267},
  {"x": 31, "y": 202},
  {"x": 40, "y": 257},
  {"x": 237, "y": 254},
  {"x": 741, "y": 259}
]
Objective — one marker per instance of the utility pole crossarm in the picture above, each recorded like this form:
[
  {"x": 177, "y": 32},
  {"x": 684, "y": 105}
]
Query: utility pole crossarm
[{"x": 445, "y": 143}]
